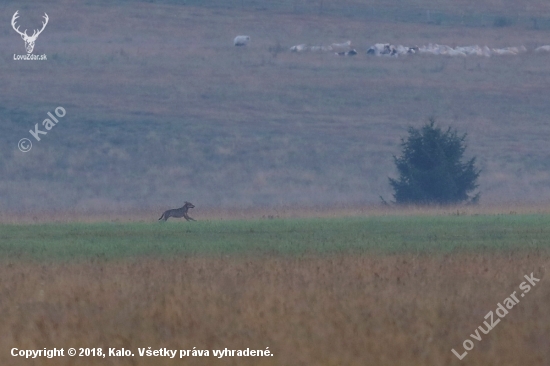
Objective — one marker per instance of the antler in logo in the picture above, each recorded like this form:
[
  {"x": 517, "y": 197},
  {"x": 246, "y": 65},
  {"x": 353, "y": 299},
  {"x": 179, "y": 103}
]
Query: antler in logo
[{"x": 29, "y": 41}]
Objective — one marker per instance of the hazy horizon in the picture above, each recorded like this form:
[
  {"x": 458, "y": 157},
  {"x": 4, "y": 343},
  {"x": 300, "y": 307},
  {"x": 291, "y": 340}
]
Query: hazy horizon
[{"x": 161, "y": 108}]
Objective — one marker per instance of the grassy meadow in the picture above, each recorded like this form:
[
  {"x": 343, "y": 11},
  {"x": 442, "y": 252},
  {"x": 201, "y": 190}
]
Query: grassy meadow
[
  {"x": 383, "y": 290},
  {"x": 287, "y": 237}
]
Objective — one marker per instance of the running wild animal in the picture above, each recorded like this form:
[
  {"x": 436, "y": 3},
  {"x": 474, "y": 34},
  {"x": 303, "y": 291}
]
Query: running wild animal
[{"x": 178, "y": 212}]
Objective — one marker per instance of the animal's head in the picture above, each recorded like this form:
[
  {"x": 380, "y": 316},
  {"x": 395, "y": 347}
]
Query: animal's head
[
  {"x": 189, "y": 205},
  {"x": 29, "y": 40}
]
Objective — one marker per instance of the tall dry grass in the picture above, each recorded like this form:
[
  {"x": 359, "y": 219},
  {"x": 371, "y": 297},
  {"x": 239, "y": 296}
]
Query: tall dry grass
[{"x": 333, "y": 310}]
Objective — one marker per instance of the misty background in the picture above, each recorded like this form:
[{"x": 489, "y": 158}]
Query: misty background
[{"x": 162, "y": 108}]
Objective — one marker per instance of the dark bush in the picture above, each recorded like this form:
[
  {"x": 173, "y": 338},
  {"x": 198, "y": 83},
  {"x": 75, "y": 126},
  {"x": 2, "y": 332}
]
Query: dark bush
[{"x": 430, "y": 168}]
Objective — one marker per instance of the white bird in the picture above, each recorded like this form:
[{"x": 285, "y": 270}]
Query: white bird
[
  {"x": 505, "y": 51},
  {"x": 299, "y": 48},
  {"x": 241, "y": 40},
  {"x": 341, "y": 47}
]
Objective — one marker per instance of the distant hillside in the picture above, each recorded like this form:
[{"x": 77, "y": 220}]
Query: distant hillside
[{"x": 162, "y": 108}]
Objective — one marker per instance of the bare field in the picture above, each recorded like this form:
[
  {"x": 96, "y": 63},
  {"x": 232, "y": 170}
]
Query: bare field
[
  {"x": 335, "y": 310},
  {"x": 161, "y": 107}
]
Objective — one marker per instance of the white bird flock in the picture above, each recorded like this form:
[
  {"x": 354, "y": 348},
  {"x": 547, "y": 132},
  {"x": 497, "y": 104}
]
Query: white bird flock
[{"x": 387, "y": 49}]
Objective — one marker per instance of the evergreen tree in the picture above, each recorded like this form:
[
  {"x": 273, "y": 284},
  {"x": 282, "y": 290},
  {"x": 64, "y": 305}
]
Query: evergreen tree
[{"x": 430, "y": 168}]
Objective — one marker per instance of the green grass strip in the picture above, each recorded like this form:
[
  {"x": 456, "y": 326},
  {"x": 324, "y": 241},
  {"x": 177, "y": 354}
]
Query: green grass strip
[{"x": 390, "y": 234}]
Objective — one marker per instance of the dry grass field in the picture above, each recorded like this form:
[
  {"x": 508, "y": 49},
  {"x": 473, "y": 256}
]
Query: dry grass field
[{"x": 309, "y": 310}]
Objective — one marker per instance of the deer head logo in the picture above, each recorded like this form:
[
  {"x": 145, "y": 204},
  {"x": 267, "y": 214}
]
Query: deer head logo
[{"x": 29, "y": 40}]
